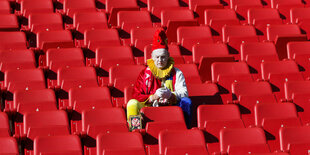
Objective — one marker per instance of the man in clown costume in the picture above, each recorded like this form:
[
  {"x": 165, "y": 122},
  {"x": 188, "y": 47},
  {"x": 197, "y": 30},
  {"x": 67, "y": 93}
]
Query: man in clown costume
[{"x": 160, "y": 84}]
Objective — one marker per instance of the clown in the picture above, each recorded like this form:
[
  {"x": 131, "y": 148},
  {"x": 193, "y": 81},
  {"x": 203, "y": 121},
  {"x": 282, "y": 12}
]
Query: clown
[{"x": 160, "y": 84}]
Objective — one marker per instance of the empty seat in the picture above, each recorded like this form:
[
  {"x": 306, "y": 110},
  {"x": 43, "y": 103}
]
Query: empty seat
[
  {"x": 254, "y": 53},
  {"x": 205, "y": 54},
  {"x": 295, "y": 140},
  {"x": 190, "y": 73},
  {"x": 101, "y": 37},
  {"x": 17, "y": 59},
  {"x": 5, "y": 7},
  {"x": 67, "y": 144},
  {"x": 238, "y": 141},
  {"x": 284, "y": 6},
  {"x": 126, "y": 20},
  {"x": 242, "y": 6},
  {"x": 44, "y": 22},
  {"x": 298, "y": 15},
  {"x": 104, "y": 121},
  {"x": 62, "y": 58},
  {"x": 213, "y": 118},
  {"x": 110, "y": 56},
  {"x": 114, "y": 6},
  {"x": 273, "y": 116},
  {"x": 182, "y": 142},
  {"x": 217, "y": 18},
  {"x": 282, "y": 34},
  {"x": 298, "y": 51},
  {"x": 12, "y": 41},
  {"x": 234, "y": 35},
  {"x": 35, "y": 6},
  {"x": 120, "y": 143},
  {"x": 172, "y": 19},
  {"x": 54, "y": 39},
  {"x": 278, "y": 72},
  {"x": 83, "y": 21},
  {"x": 9, "y": 22},
  {"x": 157, "y": 6},
  {"x": 248, "y": 94},
  {"x": 71, "y": 6},
  {"x": 141, "y": 37},
  {"x": 4, "y": 123},
  {"x": 199, "y": 6},
  {"x": 45, "y": 123},
  {"x": 25, "y": 79},
  {"x": 296, "y": 87},
  {"x": 189, "y": 36},
  {"x": 8, "y": 146}
]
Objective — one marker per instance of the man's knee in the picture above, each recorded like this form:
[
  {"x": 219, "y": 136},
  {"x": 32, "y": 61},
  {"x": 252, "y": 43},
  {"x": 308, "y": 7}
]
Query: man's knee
[
  {"x": 186, "y": 101},
  {"x": 133, "y": 103}
]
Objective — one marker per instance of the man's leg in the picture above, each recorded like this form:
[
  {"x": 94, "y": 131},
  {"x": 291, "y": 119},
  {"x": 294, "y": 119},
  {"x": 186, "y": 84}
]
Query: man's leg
[
  {"x": 186, "y": 105},
  {"x": 133, "y": 107}
]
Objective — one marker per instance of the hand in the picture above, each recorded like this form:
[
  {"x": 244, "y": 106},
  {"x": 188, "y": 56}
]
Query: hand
[
  {"x": 163, "y": 93},
  {"x": 153, "y": 98}
]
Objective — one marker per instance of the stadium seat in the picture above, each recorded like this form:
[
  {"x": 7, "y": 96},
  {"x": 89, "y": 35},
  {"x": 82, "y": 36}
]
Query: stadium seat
[
  {"x": 182, "y": 142},
  {"x": 241, "y": 6},
  {"x": 278, "y": 72},
  {"x": 217, "y": 18},
  {"x": 4, "y": 124},
  {"x": 295, "y": 140},
  {"x": 101, "y": 37},
  {"x": 261, "y": 17},
  {"x": 190, "y": 73},
  {"x": 205, "y": 54},
  {"x": 35, "y": 6},
  {"x": 45, "y": 123},
  {"x": 81, "y": 99},
  {"x": 297, "y": 92},
  {"x": 70, "y": 7},
  {"x": 298, "y": 15},
  {"x": 62, "y": 58},
  {"x": 191, "y": 35},
  {"x": 141, "y": 37},
  {"x": 5, "y": 7},
  {"x": 212, "y": 118},
  {"x": 8, "y": 146},
  {"x": 199, "y": 6},
  {"x": 157, "y": 6},
  {"x": 272, "y": 116},
  {"x": 172, "y": 19},
  {"x": 284, "y": 6},
  {"x": 234, "y": 35},
  {"x": 44, "y": 22},
  {"x": 174, "y": 51},
  {"x": 243, "y": 141},
  {"x": 54, "y": 39},
  {"x": 114, "y": 6},
  {"x": 24, "y": 79},
  {"x": 127, "y": 20},
  {"x": 206, "y": 93},
  {"x": 9, "y": 22},
  {"x": 67, "y": 144},
  {"x": 298, "y": 51},
  {"x": 109, "y": 56},
  {"x": 13, "y": 41},
  {"x": 17, "y": 59},
  {"x": 120, "y": 143},
  {"x": 225, "y": 73},
  {"x": 282, "y": 34},
  {"x": 83, "y": 21},
  {"x": 247, "y": 94},
  {"x": 254, "y": 53}
]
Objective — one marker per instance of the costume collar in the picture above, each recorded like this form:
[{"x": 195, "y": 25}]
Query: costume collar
[{"x": 161, "y": 73}]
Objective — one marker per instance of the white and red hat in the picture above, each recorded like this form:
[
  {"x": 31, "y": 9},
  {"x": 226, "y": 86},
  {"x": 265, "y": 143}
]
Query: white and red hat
[{"x": 160, "y": 40}]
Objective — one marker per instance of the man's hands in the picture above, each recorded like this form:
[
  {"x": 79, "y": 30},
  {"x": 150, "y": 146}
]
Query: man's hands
[{"x": 161, "y": 96}]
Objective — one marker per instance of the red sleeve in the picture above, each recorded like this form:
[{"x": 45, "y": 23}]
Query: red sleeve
[{"x": 139, "y": 89}]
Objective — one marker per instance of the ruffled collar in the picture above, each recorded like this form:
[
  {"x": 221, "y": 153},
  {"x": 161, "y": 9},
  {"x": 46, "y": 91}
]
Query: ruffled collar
[{"x": 161, "y": 73}]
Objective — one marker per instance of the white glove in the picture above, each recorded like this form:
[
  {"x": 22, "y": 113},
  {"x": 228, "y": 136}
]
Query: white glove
[{"x": 163, "y": 93}]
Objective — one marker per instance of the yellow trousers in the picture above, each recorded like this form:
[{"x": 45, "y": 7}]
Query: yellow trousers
[{"x": 134, "y": 107}]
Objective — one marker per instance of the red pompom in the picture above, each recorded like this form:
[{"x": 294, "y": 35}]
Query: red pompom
[{"x": 160, "y": 40}]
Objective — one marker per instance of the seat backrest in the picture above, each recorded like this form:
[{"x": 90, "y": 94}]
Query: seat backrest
[
  {"x": 69, "y": 144},
  {"x": 274, "y": 110},
  {"x": 298, "y": 14},
  {"x": 293, "y": 135},
  {"x": 193, "y": 4},
  {"x": 257, "y": 14},
  {"x": 8, "y": 145},
  {"x": 251, "y": 88},
  {"x": 71, "y": 6},
  {"x": 36, "y": 6},
  {"x": 219, "y": 14},
  {"x": 101, "y": 35},
  {"x": 45, "y": 22},
  {"x": 141, "y": 34},
  {"x": 237, "y": 31},
  {"x": 83, "y": 21},
  {"x": 5, "y": 7},
  {"x": 193, "y": 32},
  {"x": 257, "y": 48},
  {"x": 4, "y": 124},
  {"x": 12, "y": 40},
  {"x": 17, "y": 59},
  {"x": 129, "y": 142},
  {"x": 278, "y": 3},
  {"x": 54, "y": 38},
  {"x": 274, "y": 31},
  {"x": 153, "y": 5},
  {"x": 209, "y": 50},
  {"x": 110, "y": 4},
  {"x": 127, "y": 20},
  {"x": 298, "y": 48},
  {"x": 293, "y": 87},
  {"x": 228, "y": 68},
  {"x": 278, "y": 67},
  {"x": 242, "y": 136},
  {"x": 125, "y": 71},
  {"x": 190, "y": 72},
  {"x": 235, "y": 3},
  {"x": 175, "y": 15},
  {"x": 162, "y": 114}
]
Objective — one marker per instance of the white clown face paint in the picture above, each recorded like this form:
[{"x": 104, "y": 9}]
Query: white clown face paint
[{"x": 160, "y": 58}]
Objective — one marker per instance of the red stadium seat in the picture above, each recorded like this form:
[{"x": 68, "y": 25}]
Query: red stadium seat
[
  {"x": 4, "y": 125},
  {"x": 127, "y": 20},
  {"x": 213, "y": 118},
  {"x": 298, "y": 51},
  {"x": 83, "y": 21},
  {"x": 102, "y": 37},
  {"x": 243, "y": 141},
  {"x": 192, "y": 35},
  {"x": 299, "y": 15},
  {"x": 157, "y": 6},
  {"x": 13, "y": 41},
  {"x": 5, "y": 7},
  {"x": 242, "y": 6},
  {"x": 190, "y": 73},
  {"x": 35, "y": 6},
  {"x": 182, "y": 142},
  {"x": 70, "y": 7},
  {"x": 273, "y": 116},
  {"x": 44, "y": 22},
  {"x": 17, "y": 59},
  {"x": 54, "y": 39},
  {"x": 8, "y": 146},
  {"x": 120, "y": 143},
  {"x": 110, "y": 56},
  {"x": 9, "y": 22},
  {"x": 284, "y": 6},
  {"x": 141, "y": 37},
  {"x": 68, "y": 144},
  {"x": 114, "y": 6},
  {"x": 295, "y": 140},
  {"x": 199, "y": 6}
]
